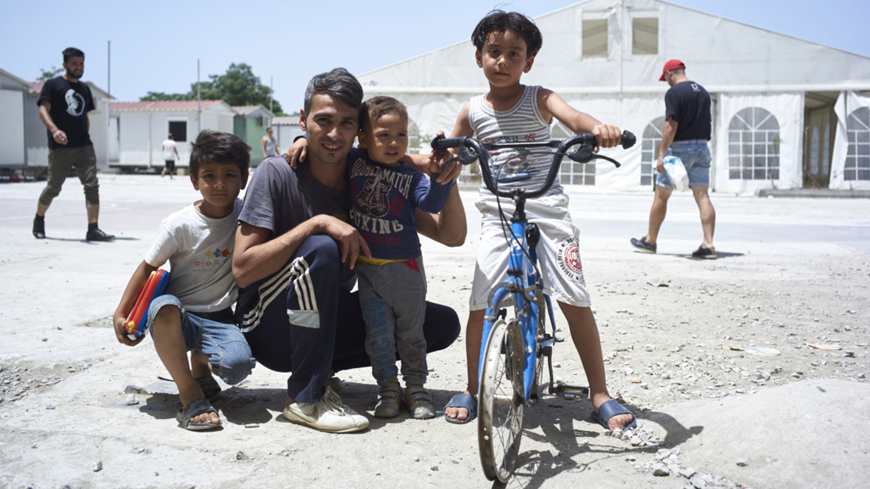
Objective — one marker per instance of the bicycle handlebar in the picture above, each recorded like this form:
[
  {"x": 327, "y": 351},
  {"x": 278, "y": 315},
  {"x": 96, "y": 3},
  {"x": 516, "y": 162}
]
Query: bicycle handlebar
[{"x": 471, "y": 149}]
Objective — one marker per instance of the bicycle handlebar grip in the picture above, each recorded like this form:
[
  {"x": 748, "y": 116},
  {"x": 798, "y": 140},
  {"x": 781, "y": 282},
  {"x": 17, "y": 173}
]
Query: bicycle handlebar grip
[
  {"x": 441, "y": 144},
  {"x": 628, "y": 139}
]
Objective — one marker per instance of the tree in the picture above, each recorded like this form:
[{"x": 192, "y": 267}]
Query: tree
[
  {"x": 238, "y": 86},
  {"x": 46, "y": 75},
  {"x": 153, "y": 96}
]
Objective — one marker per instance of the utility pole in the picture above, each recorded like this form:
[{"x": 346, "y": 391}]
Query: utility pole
[
  {"x": 270, "y": 94},
  {"x": 198, "y": 106},
  {"x": 109, "y": 83}
]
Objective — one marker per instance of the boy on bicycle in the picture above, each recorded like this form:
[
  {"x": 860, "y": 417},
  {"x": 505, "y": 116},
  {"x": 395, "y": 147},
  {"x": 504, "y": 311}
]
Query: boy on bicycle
[{"x": 511, "y": 112}]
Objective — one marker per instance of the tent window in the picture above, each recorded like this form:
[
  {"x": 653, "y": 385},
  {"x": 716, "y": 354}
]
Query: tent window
[
  {"x": 644, "y": 35},
  {"x": 649, "y": 151},
  {"x": 415, "y": 138},
  {"x": 814, "y": 151},
  {"x": 826, "y": 162},
  {"x": 572, "y": 173},
  {"x": 858, "y": 155},
  {"x": 753, "y": 145},
  {"x": 595, "y": 38},
  {"x": 178, "y": 130}
]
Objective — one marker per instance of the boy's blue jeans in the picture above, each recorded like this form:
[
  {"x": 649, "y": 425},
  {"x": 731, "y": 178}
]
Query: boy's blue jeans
[{"x": 215, "y": 335}]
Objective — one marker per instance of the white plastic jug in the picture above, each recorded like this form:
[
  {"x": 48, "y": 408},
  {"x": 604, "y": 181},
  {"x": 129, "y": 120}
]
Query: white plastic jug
[{"x": 676, "y": 172}]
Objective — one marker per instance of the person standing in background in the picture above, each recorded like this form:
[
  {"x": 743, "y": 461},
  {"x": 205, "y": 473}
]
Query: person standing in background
[
  {"x": 170, "y": 155},
  {"x": 64, "y": 103},
  {"x": 269, "y": 145},
  {"x": 688, "y": 126}
]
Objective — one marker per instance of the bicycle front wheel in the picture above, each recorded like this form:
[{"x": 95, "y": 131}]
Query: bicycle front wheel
[{"x": 500, "y": 424}]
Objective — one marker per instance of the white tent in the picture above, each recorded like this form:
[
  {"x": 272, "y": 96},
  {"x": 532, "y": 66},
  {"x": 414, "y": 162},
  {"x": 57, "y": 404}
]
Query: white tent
[{"x": 605, "y": 57}]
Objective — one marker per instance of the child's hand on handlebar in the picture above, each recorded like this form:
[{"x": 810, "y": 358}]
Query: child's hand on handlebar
[
  {"x": 607, "y": 135},
  {"x": 447, "y": 172}
]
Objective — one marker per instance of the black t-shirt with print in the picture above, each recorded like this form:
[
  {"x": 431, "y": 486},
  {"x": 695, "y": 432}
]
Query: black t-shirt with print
[
  {"x": 70, "y": 104},
  {"x": 689, "y": 104}
]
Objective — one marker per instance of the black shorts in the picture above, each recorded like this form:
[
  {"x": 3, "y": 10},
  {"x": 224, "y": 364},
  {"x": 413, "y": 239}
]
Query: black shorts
[{"x": 170, "y": 165}]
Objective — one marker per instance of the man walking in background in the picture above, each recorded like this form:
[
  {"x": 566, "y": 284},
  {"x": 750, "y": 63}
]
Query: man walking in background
[
  {"x": 688, "y": 125},
  {"x": 170, "y": 154},
  {"x": 64, "y": 103}
]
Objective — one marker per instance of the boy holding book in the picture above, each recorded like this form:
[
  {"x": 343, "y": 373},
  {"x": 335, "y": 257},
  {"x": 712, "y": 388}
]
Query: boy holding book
[{"x": 195, "y": 312}]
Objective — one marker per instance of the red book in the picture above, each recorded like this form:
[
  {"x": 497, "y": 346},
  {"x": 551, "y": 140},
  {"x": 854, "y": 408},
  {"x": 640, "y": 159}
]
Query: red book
[{"x": 154, "y": 287}]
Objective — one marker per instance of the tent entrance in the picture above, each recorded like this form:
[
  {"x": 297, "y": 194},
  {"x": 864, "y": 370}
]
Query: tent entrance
[{"x": 820, "y": 124}]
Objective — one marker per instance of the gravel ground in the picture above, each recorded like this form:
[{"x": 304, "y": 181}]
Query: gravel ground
[{"x": 749, "y": 370}]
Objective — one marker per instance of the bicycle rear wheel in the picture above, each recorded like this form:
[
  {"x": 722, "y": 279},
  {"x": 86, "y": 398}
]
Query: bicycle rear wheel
[{"x": 500, "y": 424}]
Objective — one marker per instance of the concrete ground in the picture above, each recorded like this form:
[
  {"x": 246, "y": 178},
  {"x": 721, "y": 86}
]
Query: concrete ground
[{"x": 681, "y": 339}]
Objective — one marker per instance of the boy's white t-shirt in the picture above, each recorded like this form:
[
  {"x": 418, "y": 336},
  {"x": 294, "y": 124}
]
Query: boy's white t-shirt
[{"x": 199, "y": 250}]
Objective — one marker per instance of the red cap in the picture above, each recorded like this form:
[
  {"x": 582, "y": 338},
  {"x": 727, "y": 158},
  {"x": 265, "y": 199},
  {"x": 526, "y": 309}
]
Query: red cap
[{"x": 673, "y": 64}]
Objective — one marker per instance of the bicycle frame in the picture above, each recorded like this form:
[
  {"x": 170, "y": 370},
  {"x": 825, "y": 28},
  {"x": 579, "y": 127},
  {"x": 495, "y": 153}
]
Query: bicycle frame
[
  {"x": 522, "y": 277},
  {"x": 517, "y": 286},
  {"x": 500, "y": 431}
]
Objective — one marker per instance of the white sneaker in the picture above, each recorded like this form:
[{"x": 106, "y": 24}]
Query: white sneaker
[{"x": 329, "y": 414}]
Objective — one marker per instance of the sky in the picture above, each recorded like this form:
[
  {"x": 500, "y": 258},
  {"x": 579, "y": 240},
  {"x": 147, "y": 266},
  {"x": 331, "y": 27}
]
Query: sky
[{"x": 155, "y": 45}]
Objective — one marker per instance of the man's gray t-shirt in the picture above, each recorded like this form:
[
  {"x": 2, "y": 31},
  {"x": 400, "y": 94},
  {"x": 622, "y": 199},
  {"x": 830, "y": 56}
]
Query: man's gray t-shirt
[{"x": 279, "y": 198}]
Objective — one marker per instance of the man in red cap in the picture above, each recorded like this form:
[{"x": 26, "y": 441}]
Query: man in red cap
[{"x": 688, "y": 125}]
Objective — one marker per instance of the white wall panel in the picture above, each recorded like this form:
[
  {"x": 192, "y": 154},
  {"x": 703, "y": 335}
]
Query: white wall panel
[{"x": 11, "y": 127}]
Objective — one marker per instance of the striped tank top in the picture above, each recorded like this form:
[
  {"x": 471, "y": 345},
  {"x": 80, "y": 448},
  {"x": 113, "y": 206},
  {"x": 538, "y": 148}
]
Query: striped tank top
[{"x": 522, "y": 123}]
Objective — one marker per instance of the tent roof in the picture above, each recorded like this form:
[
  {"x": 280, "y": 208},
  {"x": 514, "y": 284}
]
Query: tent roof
[{"x": 722, "y": 54}]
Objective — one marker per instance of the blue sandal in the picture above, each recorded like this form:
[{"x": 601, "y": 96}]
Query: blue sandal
[
  {"x": 610, "y": 409},
  {"x": 462, "y": 400}
]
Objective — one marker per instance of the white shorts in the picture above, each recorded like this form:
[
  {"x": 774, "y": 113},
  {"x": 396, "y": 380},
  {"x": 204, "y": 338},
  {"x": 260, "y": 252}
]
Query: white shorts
[{"x": 558, "y": 252}]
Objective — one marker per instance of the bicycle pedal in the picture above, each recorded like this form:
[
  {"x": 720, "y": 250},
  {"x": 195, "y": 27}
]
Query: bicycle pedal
[{"x": 570, "y": 391}]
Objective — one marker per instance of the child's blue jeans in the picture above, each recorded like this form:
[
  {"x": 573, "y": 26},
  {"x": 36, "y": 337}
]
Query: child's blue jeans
[{"x": 214, "y": 334}]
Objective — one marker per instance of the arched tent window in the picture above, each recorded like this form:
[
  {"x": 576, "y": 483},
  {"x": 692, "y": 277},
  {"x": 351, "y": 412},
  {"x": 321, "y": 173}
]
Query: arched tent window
[
  {"x": 753, "y": 145},
  {"x": 572, "y": 173},
  {"x": 414, "y": 139},
  {"x": 858, "y": 156},
  {"x": 649, "y": 151}
]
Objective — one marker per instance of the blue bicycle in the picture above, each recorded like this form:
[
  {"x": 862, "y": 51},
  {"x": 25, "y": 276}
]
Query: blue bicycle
[{"x": 514, "y": 348}]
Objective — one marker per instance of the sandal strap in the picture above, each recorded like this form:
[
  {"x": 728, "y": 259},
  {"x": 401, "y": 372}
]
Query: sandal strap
[{"x": 194, "y": 409}]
